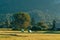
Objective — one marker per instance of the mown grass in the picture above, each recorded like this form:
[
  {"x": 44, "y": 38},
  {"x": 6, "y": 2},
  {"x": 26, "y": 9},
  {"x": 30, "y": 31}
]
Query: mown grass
[
  {"x": 31, "y": 37},
  {"x": 38, "y": 35}
]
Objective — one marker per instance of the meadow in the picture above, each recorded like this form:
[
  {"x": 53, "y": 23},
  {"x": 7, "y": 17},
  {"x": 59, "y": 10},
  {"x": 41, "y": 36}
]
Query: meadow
[{"x": 17, "y": 35}]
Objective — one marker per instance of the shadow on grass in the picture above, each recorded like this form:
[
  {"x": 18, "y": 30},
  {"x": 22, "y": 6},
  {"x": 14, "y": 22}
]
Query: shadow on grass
[
  {"x": 52, "y": 32},
  {"x": 14, "y": 35}
]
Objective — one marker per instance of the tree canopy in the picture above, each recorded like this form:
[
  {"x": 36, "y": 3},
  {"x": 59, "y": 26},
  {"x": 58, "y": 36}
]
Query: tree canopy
[
  {"x": 43, "y": 25},
  {"x": 22, "y": 19}
]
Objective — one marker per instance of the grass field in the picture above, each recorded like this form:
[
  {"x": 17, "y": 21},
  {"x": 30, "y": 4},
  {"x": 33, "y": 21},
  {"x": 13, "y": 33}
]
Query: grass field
[{"x": 11, "y": 35}]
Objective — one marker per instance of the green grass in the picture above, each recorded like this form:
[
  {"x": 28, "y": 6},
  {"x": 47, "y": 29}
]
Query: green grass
[{"x": 4, "y": 36}]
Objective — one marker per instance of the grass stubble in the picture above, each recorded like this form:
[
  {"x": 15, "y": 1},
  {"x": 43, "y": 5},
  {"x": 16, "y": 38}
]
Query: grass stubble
[{"x": 29, "y": 36}]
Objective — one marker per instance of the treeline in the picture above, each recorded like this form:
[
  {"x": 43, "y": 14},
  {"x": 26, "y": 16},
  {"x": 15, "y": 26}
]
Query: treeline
[{"x": 23, "y": 21}]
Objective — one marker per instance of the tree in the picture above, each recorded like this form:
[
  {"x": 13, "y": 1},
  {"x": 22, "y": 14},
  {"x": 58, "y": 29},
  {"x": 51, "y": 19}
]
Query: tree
[
  {"x": 32, "y": 21},
  {"x": 8, "y": 20},
  {"x": 54, "y": 22},
  {"x": 42, "y": 25},
  {"x": 22, "y": 20}
]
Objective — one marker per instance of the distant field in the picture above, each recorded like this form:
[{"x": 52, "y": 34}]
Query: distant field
[
  {"x": 5, "y": 29},
  {"x": 16, "y": 35}
]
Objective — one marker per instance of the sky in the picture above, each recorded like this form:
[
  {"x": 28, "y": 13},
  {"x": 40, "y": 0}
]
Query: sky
[
  {"x": 51, "y": 7},
  {"x": 12, "y": 6}
]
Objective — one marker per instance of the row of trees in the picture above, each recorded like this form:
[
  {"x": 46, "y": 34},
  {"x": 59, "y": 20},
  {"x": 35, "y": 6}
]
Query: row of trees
[{"x": 22, "y": 21}]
